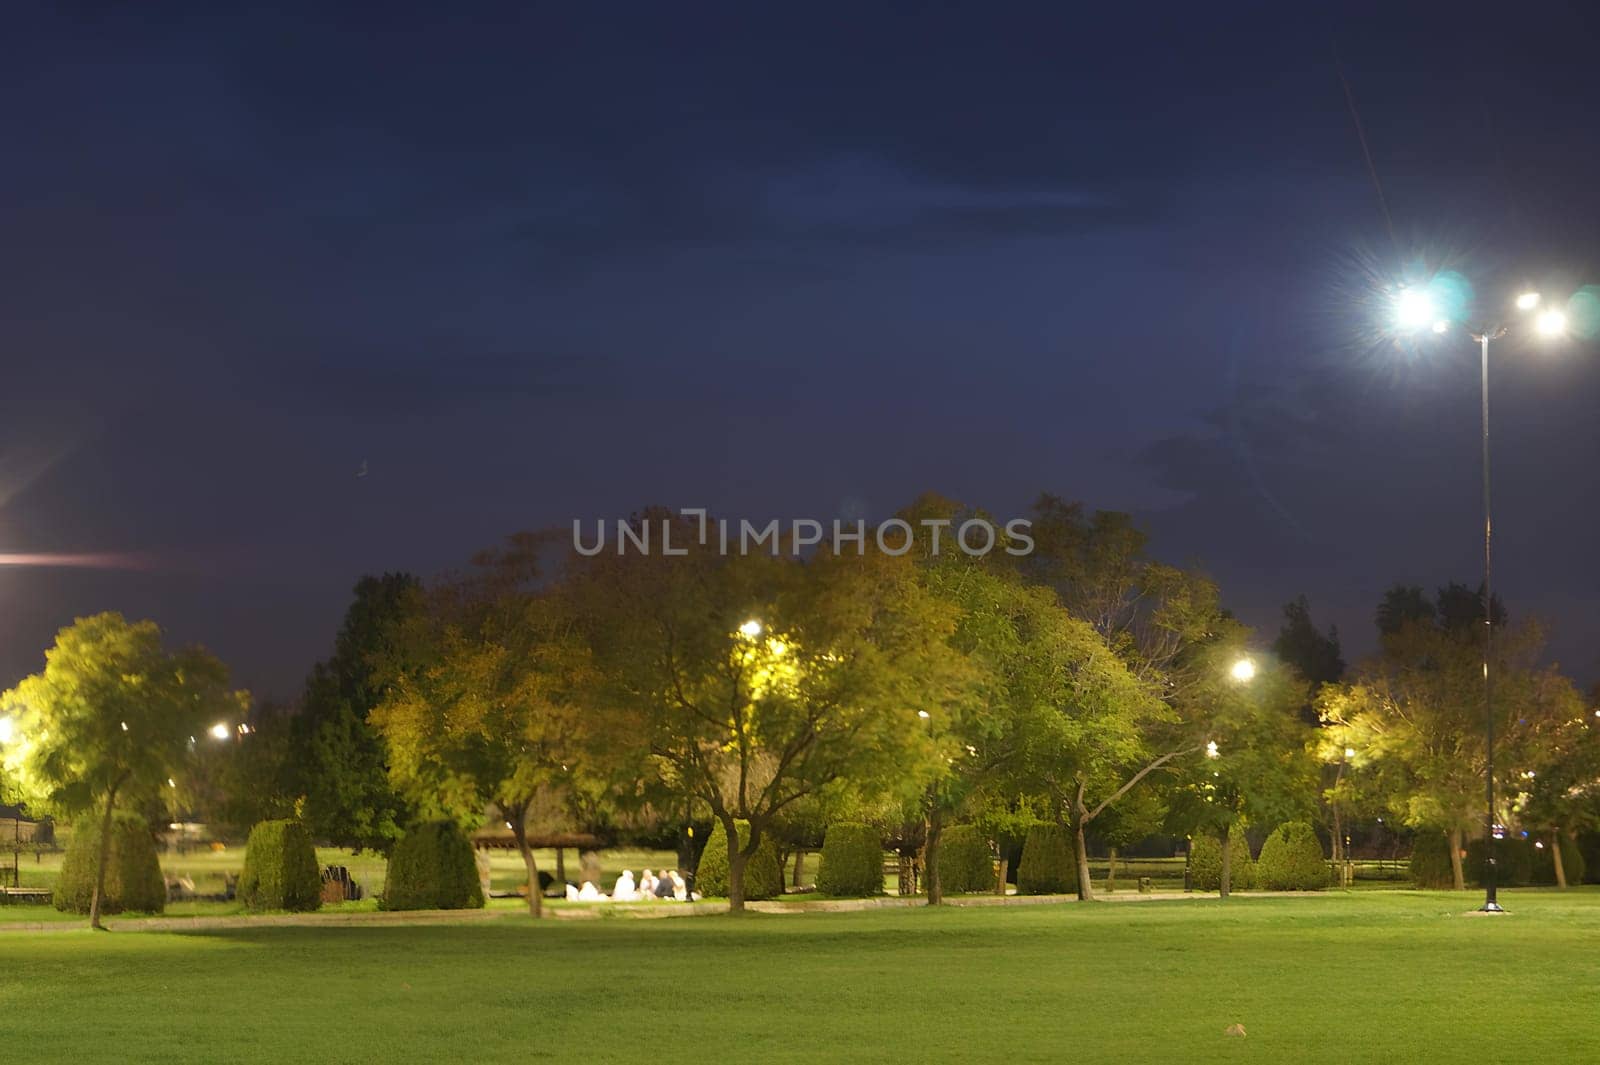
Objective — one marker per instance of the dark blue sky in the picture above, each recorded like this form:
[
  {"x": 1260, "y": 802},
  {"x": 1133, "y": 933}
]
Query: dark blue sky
[{"x": 531, "y": 265}]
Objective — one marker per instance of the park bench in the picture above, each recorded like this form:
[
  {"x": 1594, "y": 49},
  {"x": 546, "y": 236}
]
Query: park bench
[{"x": 25, "y": 895}]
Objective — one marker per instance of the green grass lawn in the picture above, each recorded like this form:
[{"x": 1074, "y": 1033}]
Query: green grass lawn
[{"x": 1347, "y": 977}]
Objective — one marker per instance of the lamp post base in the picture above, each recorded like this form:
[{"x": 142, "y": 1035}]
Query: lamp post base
[{"x": 1489, "y": 909}]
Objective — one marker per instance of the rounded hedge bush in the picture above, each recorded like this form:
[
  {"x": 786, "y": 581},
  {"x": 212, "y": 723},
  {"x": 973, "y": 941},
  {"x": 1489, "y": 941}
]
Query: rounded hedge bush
[
  {"x": 1292, "y": 860},
  {"x": 133, "y": 873},
  {"x": 1544, "y": 862},
  {"x": 1514, "y": 862},
  {"x": 965, "y": 861},
  {"x": 433, "y": 867},
  {"x": 1430, "y": 860},
  {"x": 1048, "y": 866},
  {"x": 280, "y": 869},
  {"x": 763, "y": 870},
  {"x": 1205, "y": 864},
  {"x": 852, "y": 861}
]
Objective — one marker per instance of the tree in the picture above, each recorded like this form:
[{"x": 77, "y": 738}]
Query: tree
[
  {"x": 1315, "y": 655},
  {"x": 112, "y": 717},
  {"x": 755, "y": 681},
  {"x": 479, "y": 707},
  {"x": 1414, "y": 715},
  {"x": 347, "y": 797}
]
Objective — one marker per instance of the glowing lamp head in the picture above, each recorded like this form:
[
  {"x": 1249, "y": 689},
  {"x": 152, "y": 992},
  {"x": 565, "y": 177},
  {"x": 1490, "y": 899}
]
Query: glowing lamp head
[
  {"x": 220, "y": 730},
  {"x": 1551, "y": 323},
  {"x": 1349, "y": 752},
  {"x": 1243, "y": 670},
  {"x": 750, "y": 629},
  {"x": 924, "y": 714},
  {"x": 1414, "y": 309},
  {"x": 1211, "y": 750},
  {"x": 1527, "y": 301}
]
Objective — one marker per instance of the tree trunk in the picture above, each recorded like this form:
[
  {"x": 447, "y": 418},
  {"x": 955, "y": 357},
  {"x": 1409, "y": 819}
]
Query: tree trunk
[
  {"x": 561, "y": 864},
  {"x": 529, "y": 862},
  {"x": 1227, "y": 862},
  {"x": 1555, "y": 855},
  {"x": 103, "y": 859},
  {"x": 1005, "y": 870},
  {"x": 1111, "y": 873},
  {"x": 1085, "y": 886},
  {"x": 931, "y": 862},
  {"x": 1338, "y": 835},
  {"x": 1457, "y": 878},
  {"x": 799, "y": 867},
  {"x": 736, "y": 863}
]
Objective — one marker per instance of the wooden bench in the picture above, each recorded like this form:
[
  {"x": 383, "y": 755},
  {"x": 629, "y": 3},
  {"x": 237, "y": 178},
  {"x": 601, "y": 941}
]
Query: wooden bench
[{"x": 25, "y": 895}]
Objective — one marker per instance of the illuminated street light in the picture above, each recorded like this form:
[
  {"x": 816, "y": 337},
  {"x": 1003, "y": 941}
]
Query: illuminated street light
[
  {"x": 924, "y": 714},
  {"x": 1349, "y": 752},
  {"x": 8, "y": 729},
  {"x": 1243, "y": 670},
  {"x": 1211, "y": 750},
  {"x": 1414, "y": 309},
  {"x": 1527, "y": 301},
  {"x": 1551, "y": 323},
  {"x": 220, "y": 731},
  {"x": 750, "y": 629}
]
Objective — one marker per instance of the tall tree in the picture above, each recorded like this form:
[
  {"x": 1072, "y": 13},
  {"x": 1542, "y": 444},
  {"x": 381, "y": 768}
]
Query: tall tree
[
  {"x": 1314, "y": 654},
  {"x": 112, "y": 717},
  {"x": 755, "y": 682},
  {"x": 348, "y": 798},
  {"x": 479, "y": 707}
]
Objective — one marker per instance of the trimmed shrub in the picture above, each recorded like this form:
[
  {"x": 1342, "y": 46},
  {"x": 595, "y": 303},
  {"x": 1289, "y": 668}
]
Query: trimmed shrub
[
  {"x": 280, "y": 869},
  {"x": 1205, "y": 864},
  {"x": 1292, "y": 860},
  {"x": 1514, "y": 866},
  {"x": 1048, "y": 866},
  {"x": 133, "y": 873},
  {"x": 852, "y": 861},
  {"x": 763, "y": 871},
  {"x": 432, "y": 868},
  {"x": 1430, "y": 860},
  {"x": 1544, "y": 862},
  {"x": 965, "y": 861}
]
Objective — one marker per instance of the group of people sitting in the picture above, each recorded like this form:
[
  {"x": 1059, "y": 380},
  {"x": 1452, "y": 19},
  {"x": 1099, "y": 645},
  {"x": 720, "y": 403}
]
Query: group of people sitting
[{"x": 669, "y": 885}]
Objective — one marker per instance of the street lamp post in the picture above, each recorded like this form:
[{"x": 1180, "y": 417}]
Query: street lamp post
[{"x": 1414, "y": 308}]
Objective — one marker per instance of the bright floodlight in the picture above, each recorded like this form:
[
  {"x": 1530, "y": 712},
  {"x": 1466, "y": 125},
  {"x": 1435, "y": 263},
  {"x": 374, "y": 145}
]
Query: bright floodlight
[
  {"x": 1551, "y": 323},
  {"x": 1243, "y": 670},
  {"x": 1414, "y": 309},
  {"x": 923, "y": 714},
  {"x": 1349, "y": 752},
  {"x": 1527, "y": 301},
  {"x": 751, "y": 628},
  {"x": 1211, "y": 750},
  {"x": 7, "y": 730},
  {"x": 220, "y": 730}
]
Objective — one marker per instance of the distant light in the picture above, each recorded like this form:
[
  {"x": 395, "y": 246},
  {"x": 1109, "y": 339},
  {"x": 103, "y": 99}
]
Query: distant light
[
  {"x": 1551, "y": 323},
  {"x": 750, "y": 629},
  {"x": 508, "y": 824},
  {"x": 1243, "y": 670},
  {"x": 1527, "y": 301},
  {"x": 924, "y": 714},
  {"x": 171, "y": 783},
  {"x": 1414, "y": 309},
  {"x": 1539, "y": 844},
  {"x": 174, "y": 825},
  {"x": 8, "y": 729},
  {"x": 1441, "y": 326},
  {"x": 1349, "y": 752},
  {"x": 220, "y": 730},
  {"x": 1211, "y": 750},
  {"x": 124, "y": 726}
]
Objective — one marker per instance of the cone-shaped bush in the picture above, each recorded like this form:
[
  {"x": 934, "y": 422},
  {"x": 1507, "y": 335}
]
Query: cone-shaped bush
[
  {"x": 1048, "y": 866},
  {"x": 1291, "y": 860},
  {"x": 1205, "y": 864},
  {"x": 763, "y": 872},
  {"x": 133, "y": 873},
  {"x": 965, "y": 863},
  {"x": 1430, "y": 860},
  {"x": 432, "y": 868},
  {"x": 852, "y": 861},
  {"x": 280, "y": 869}
]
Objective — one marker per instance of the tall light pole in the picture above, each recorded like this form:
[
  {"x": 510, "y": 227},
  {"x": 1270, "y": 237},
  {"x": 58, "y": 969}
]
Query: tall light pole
[{"x": 1414, "y": 308}]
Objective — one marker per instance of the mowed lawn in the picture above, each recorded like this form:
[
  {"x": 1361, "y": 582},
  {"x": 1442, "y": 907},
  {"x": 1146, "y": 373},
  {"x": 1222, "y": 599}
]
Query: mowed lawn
[{"x": 1369, "y": 976}]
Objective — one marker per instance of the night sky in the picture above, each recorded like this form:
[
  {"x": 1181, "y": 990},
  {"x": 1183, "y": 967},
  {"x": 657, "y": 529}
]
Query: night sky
[{"x": 779, "y": 261}]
